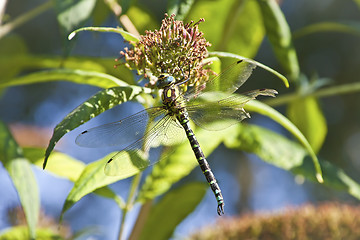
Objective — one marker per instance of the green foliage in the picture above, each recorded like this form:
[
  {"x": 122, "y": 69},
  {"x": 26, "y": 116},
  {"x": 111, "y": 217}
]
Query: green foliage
[
  {"x": 236, "y": 30},
  {"x": 171, "y": 210},
  {"x": 22, "y": 177},
  {"x": 328, "y": 221}
]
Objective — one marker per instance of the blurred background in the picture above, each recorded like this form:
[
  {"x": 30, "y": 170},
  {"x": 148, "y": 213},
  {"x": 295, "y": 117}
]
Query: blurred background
[{"x": 248, "y": 183}]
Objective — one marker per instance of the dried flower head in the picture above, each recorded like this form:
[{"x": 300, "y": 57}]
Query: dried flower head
[{"x": 176, "y": 49}]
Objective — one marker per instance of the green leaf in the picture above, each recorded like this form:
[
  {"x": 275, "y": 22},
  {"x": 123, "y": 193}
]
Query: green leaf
[
  {"x": 142, "y": 18},
  {"x": 60, "y": 164},
  {"x": 352, "y": 28},
  {"x": 65, "y": 166},
  {"x": 21, "y": 62},
  {"x": 180, "y": 8},
  {"x": 238, "y": 57},
  {"x": 101, "y": 13},
  {"x": 101, "y": 80},
  {"x": 22, "y": 177},
  {"x": 100, "y": 102},
  {"x": 92, "y": 178},
  {"x": 306, "y": 114},
  {"x": 179, "y": 164},
  {"x": 72, "y": 13},
  {"x": 22, "y": 233},
  {"x": 287, "y": 124},
  {"x": 283, "y": 153},
  {"x": 11, "y": 45},
  {"x": 279, "y": 35},
  {"x": 126, "y": 35},
  {"x": 174, "y": 207},
  {"x": 237, "y": 26}
]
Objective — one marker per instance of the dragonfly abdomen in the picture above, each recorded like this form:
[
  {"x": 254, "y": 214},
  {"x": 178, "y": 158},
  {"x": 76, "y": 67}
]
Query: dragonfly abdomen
[{"x": 204, "y": 165}]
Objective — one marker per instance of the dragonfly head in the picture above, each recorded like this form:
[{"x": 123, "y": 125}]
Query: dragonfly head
[{"x": 165, "y": 80}]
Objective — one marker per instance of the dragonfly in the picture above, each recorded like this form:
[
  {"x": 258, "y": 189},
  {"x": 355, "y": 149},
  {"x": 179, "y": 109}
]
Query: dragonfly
[{"x": 169, "y": 123}]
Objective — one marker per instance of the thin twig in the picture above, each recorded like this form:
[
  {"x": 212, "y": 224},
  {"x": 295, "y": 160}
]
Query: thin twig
[
  {"x": 124, "y": 20},
  {"x": 129, "y": 203}
]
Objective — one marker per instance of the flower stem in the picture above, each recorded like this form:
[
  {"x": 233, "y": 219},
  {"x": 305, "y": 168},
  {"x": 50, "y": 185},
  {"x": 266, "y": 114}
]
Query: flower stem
[{"x": 129, "y": 203}]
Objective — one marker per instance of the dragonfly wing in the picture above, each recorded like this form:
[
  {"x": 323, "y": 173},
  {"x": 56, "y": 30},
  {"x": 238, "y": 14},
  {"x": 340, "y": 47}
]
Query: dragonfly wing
[
  {"x": 225, "y": 112},
  {"x": 227, "y": 81},
  {"x": 134, "y": 158},
  {"x": 122, "y": 132}
]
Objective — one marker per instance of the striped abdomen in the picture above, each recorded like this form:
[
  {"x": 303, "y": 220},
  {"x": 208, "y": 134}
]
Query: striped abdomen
[{"x": 204, "y": 165}]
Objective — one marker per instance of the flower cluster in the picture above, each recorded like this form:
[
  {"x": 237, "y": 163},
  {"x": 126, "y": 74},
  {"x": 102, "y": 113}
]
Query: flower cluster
[{"x": 176, "y": 49}]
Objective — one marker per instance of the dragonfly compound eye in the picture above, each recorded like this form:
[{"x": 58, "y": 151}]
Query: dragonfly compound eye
[{"x": 165, "y": 81}]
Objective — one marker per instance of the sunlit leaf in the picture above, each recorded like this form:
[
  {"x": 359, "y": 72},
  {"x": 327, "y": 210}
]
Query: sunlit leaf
[
  {"x": 283, "y": 153},
  {"x": 306, "y": 114},
  {"x": 97, "y": 79},
  {"x": 101, "y": 13},
  {"x": 287, "y": 124},
  {"x": 180, "y": 8},
  {"x": 179, "y": 164},
  {"x": 341, "y": 27},
  {"x": 22, "y": 177},
  {"x": 278, "y": 32},
  {"x": 72, "y": 13},
  {"x": 21, "y": 233},
  {"x": 23, "y": 62},
  {"x": 60, "y": 164},
  {"x": 9, "y": 46},
  {"x": 236, "y": 28},
  {"x": 238, "y": 57},
  {"x": 126, "y": 35},
  {"x": 174, "y": 207},
  {"x": 92, "y": 178},
  {"x": 142, "y": 18},
  {"x": 100, "y": 102}
]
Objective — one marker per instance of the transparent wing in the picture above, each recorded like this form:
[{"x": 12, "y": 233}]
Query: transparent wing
[
  {"x": 227, "y": 81},
  {"x": 224, "y": 112},
  {"x": 164, "y": 131},
  {"x": 122, "y": 132}
]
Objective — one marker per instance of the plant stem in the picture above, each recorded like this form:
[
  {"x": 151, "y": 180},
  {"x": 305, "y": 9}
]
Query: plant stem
[
  {"x": 124, "y": 20},
  {"x": 326, "y": 92},
  {"x": 129, "y": 203},
  {"x": 8, "y": 27}
]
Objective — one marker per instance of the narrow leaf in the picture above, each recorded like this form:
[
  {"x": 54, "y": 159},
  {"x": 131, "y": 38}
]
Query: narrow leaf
[
  {"x": 97, "y": 79},
  {"x": 100, "y": 102},
  {"x": 287, "y": 124},
  {"x": 179, "y": 164},
  {"x": 237, "y": 26},
  {"x": 279, "y": 35},
  {"x": 306, "y": 114},
  {"x": 180, "y": 8},
  {"x": 13, "y": 64},
  {"x": 283, "y": 153},
  {"x": 21, "y": 233},
  {"x": 171, "y": 210},
  {"x": 92, "y": 178},
  {"x": 22, "y": 177},
  {"x": 352, "y": 28},
  {"x": 72, "y": 13},
  {"x": 126, "y": 35},
  {"x": 238, "y": 57},
  {"x": 60, "y": 164}
]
